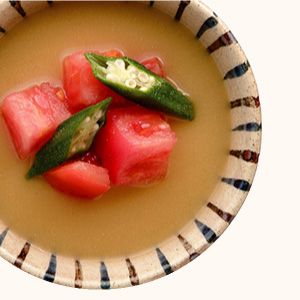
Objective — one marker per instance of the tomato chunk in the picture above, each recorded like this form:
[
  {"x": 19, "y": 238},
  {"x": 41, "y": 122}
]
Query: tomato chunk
[
  {"x": 135, "y": 145},
  {"x": 90, "y": 157},
  {"x": 32, "y": 116},
  {"x": 154, "y": 65},
  {"x": 79, "y": 179},
  {"x": 112, "y": 53},
  {"x": 81, "y": 87}
]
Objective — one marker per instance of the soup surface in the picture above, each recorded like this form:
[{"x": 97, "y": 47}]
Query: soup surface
[{"x": 126, "y": 219}]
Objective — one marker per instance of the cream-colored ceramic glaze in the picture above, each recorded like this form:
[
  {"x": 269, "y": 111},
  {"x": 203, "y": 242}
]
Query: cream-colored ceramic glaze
[{"x": 213, "y": 219}]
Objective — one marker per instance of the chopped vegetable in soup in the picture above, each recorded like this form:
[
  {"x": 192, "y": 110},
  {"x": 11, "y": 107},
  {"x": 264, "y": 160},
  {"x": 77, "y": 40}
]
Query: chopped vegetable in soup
[
  {"x": 32, "y": 116},
  {"x": 72, "y": 137},
  {"x": 137, "y": 83},
  {"x": 154, "y": 65},
  {"x": 82, "y": 88},
  {"x": 79, "y": 179},
  {"x": 135, "y": 146}
]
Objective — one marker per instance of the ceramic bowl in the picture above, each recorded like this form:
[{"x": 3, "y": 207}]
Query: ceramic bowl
[{"x": 211, "y": 221}]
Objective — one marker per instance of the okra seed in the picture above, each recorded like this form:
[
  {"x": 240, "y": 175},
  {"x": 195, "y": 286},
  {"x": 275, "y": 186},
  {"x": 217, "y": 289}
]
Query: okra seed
[
  {"x": 151, "y": 79},
  {"x": 130, "y": 83},
  {"x": 98, "y": 115},
  {"x": 120, "y": 64},
  {"x": 110, "y": 76},
  {"x": 143, "y": 77},
  {"x": 131, "y": 69},
  {"x": 96, "y": 127},
  {"x": 74, "y": 149},
  {"x": 87, "y": 120}
]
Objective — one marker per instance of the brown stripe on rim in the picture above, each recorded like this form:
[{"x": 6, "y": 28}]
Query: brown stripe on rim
[
  {"x": 227, "y": 217},
  {"x": 22, "y": 256},
  {"x": 181, "y": 8},
  {"x": 78, "y": 274},
  {"x": 134, "y": 279},
  {"x": 3, "y": 235},
  {"x": 225, "y": 40},
  {"x": 2, "y": 30},
  {"x": 188, "y": 247},
  {"x": 18, "y": 7},
  {"x": 246, "y": 155},
  {"x": 246, "y": 101}
]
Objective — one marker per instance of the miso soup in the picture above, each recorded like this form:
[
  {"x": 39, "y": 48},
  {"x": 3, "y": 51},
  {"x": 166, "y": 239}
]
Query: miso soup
[{"x": 127, "y": 219}]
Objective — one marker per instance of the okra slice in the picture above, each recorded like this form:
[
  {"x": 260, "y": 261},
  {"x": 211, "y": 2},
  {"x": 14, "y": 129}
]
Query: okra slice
[
  {"x": 135, "y": 82},
  {"x": 73, "y": 136}
]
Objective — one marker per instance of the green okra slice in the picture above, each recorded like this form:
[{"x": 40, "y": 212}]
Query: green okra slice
[
  {"x": 73, "y": 136},
  {"x": 135, "y": 82}
]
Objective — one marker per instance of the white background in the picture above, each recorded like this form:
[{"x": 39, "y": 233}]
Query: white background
[{"x": 258, "y": 256}]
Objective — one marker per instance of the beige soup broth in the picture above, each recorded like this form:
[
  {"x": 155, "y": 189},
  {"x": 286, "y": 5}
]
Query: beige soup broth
[{"x": 126, "y": 219}]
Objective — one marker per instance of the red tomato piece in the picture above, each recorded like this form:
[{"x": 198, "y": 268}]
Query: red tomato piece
[
  {"x": 32, "y": 116},
  {"x": 135, "y": 145},
  {"x": 112, "y": 53},
  {"x": 154, "y": 65},
  {"x": 81, "y": 87},
  {"x": 90, "y": 157},
  {"x": 79, "y": 179}
]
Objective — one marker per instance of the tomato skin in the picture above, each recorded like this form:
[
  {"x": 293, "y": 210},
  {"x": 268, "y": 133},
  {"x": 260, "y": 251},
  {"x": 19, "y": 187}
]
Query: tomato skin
[
  {"x": 135, "y": 145},
  {"x": 155, "y": 65},
  {"x": 79, "y": 179},
  {"x": 81, "y": 87},
  {"x": 90, "y": 157},
  {"x": 112, "y": 53},
  {"x": 32, "y": 115}
]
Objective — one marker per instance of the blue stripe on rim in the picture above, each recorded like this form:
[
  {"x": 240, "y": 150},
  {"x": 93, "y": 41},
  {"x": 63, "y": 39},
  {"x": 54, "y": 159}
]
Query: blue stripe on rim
[
  {"x": 238, "y": 71},
  {"x": 3, "y": 235},
  {"x": 164, "y": 262},
  {"x": 209, "y": 23},
  {"x": 239, "y": 184},
  {"x": 208, "y": 233},
  {"x": 104, "y": 281},
  {"x": 51, "y": 271},
  {"x": 252, "y": 126}
]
